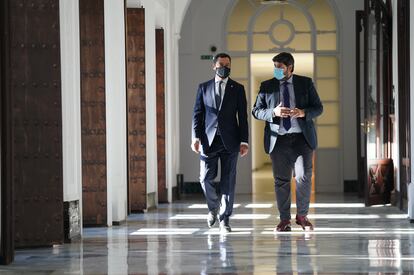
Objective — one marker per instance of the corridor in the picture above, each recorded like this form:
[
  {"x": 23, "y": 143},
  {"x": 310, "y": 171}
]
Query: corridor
[{"x": 348, "y": 238}]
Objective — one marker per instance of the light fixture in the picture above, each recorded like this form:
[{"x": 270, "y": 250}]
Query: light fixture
[{"x": 271, "y": 2}]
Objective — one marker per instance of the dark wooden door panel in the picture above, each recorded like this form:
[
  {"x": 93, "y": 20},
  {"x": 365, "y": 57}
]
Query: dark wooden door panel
[
  {"x": 136, "y": 124},
  {"x": 404, "y": 108},
  {"x": 160, "y": 78},
  {"x": 93, "y": 118},
  {"x": 34, "y": 79},
  {"x": 7, "y": 223}
]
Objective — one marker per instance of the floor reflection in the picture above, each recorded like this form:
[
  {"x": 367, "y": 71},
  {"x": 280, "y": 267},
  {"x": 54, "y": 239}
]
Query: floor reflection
[
  {"x": 294, "y": 254},
  {"x": 348, "y": 238}
]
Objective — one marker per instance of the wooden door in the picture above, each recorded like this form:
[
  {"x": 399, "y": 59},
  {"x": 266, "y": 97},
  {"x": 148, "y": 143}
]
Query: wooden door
[
  {"x": 93, "y": 114},
  {"x": 34, "y": 125},
  {"x": 378, "y": 104},
  {"x": 404, "y": 109},
  {"x": 136, "y": 120},
  {"x": 7, "y": 224},
  {"x": 160, "y": 68}
]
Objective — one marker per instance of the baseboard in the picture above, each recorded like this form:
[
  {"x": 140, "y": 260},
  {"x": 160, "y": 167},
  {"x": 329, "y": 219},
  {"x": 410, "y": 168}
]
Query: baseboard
[
  {"x": 118, "y": 223},
  {"x": 71, "y": 221},
  {"x": 151, "y": 201},
  {"x": 350, "y": 186},
  {"x": 175, "y": 193},
  {"x": 191, "y": 188},
  {"x": 395, "y": 196}
]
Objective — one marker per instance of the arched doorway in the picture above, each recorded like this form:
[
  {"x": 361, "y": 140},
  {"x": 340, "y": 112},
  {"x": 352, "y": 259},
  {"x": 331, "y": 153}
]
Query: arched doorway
[{"x": 255, "y": 32}]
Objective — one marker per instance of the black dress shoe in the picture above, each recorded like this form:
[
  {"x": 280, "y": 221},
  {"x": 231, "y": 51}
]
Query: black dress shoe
[
  {"x": 211, "y": 218},
  {"x": 225, "y": 226}
]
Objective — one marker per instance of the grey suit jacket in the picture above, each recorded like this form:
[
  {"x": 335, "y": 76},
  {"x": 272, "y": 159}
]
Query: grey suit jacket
[{"x": 306, "y": 98}]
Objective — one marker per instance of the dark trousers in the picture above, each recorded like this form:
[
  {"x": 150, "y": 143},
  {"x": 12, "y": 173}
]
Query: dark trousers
[
  {"x": 292, "y": 152},
  {"x": 222, "y": 201}
]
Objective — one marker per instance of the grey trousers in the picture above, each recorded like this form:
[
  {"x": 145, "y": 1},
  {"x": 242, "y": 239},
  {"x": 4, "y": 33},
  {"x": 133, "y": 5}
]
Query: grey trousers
[{"x": 292, "y": 152}]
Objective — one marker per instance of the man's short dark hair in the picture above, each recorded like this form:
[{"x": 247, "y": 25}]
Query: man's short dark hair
[
  {"x": 285, "y": 58},
  {"x": 221, "y": 55}
]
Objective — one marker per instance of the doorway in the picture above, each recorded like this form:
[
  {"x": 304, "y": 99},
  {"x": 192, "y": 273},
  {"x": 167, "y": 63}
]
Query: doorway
[
  {"x": 375, "y": 103},
  {"x": 302, "y": 29},
  {"x": 261, "y": 69}
]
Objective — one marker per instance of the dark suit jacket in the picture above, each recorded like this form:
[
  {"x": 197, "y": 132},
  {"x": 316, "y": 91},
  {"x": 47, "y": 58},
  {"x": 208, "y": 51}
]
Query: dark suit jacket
[
  {"x": 232, "y": 117},
  {"x": 306, "y": 98}
]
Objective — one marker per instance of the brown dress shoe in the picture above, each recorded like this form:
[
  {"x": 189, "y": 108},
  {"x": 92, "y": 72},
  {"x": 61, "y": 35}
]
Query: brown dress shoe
[
  {"x": 283, "y": 226},
  {"x": 304, "y": 222}
]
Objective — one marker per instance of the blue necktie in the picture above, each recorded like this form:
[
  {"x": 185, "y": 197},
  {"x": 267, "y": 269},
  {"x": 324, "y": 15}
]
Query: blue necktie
[{"x": 286, "y": 103}]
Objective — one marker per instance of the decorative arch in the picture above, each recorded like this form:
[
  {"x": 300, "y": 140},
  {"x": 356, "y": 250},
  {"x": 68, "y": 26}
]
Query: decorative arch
[{"x": 300, "y": 27}]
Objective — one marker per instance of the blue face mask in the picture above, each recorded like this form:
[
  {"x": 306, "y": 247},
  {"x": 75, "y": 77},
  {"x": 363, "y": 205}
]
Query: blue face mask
[{"x": 278, "y": 73}]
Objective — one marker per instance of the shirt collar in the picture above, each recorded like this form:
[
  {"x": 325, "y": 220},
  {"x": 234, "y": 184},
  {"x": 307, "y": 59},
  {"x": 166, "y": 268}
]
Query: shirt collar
[
  {"x": 290, "y": 80},
  {"x": 218, "y": 79}
]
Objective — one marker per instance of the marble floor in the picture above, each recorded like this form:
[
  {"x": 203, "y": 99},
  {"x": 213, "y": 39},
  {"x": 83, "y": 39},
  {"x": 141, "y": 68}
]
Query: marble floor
[
  {"x": 174, "y": 239},
  {"x": 348, "y": 238}
]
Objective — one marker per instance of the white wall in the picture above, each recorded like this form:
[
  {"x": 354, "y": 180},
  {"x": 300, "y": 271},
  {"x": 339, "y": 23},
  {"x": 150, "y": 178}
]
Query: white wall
[
  {"x": 71, "y": 111},
  {"x": 346, "y": 26},
  {"x": 202, "y": 27},
  {"x": 165, "y": 14},
  {"x": 115, "y": 92}
]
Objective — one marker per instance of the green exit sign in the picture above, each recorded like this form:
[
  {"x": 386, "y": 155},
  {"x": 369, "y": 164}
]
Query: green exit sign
[{"x": 206, "y": 57}]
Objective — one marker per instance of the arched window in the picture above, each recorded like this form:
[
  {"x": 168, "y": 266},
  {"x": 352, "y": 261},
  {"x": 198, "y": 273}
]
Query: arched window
[{"x": 306, "y": 28}]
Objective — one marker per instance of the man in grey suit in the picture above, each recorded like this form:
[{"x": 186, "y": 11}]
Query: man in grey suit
[
  {"x": 289, "y": 103},
  {"x": 220, "y": 132}
]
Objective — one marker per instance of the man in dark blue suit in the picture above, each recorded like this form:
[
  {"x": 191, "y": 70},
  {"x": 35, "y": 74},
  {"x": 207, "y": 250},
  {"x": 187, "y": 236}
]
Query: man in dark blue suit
[
  {"x": 220, "y": 132},
  {"x": 289, "y": 103}
]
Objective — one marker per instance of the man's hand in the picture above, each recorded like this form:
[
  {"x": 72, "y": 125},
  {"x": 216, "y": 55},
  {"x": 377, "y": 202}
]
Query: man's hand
[
  {"x": 295, "y": 113},
  {"x": 280, "y": 111},
  {"x": 244, "y": 149},
  {"x": 195, "y": 146}
]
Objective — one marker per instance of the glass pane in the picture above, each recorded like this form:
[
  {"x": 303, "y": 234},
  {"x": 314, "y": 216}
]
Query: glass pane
[
  {"x": 328, "y": 136},
  {"x": 305, "y": 3},
  {"x": 240, "y": 17},
  {"x": 328, "y": 89},
  {"x": 304, "y": 64},
  {"x": 297, "y": 17},
  {"x": 326, "y": 66},
  {"x": 239, "y": 67},
  {"x": 266, "y": 19},
  {"x": 323, "y": 16},
  {"x": 282, "y": 32},
  {"x": 326, "y": 42},
  {"x": 236, "y": 42},
  {"x": 301, "y": 42},
  {"x": 330, "y": 114},
  {"x": 262, "y": 42},
  {"x": 375, "y": 93}
]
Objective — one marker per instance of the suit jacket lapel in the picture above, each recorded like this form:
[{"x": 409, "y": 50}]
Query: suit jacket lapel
[
  {"x": 227, "y": 92},
  {"x": 276, "y": 91},
  {"x": 296, "y": 89},
  {"x": 210, "y": 94}
]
